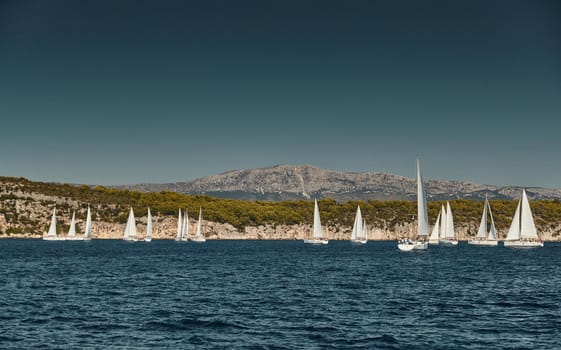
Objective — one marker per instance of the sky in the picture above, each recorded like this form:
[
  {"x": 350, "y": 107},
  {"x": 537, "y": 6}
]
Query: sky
[{"x": 122, "y": 92}]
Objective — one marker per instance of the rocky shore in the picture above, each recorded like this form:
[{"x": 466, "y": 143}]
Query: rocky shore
[{"x": 166, "y": 228}]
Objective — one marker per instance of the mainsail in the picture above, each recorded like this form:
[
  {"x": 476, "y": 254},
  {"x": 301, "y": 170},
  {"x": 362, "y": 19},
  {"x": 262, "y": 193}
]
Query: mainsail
[
  {"x": 482, "y": 232},
  {"x": 198, "y": 232},
  {"x": 72, "y": 230},
  {"x": 492, "y": 230},
  {"x": 179, "y": 227},
  {"x": 88, "y": 230},
  {"x": 52, "y": 227},
  {"x": 358, "y": 228},
  {"x": 318, "y": 231},
  {"x": 527, "y": 226},
  {"x": 436, "y": 228},
  {"x": 185, "y": 226},
  {"x": 449, "y": 232},
  {"x": 443, "y": 219},
  {"x": 422, "y": 214},
  {"x": 130, "y": 228},
  {"x": 149, "y": 225}
]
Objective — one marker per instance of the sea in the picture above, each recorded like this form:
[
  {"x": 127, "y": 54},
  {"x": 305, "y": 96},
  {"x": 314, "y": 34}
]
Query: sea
[{"x": 108, "y": 294}]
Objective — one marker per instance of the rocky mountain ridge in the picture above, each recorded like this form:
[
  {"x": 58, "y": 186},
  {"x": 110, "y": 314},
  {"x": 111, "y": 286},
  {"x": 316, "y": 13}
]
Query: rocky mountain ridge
[{"x": 288, "y": 182}]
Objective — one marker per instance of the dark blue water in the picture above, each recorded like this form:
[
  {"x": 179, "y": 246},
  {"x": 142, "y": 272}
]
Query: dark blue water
[{"x": 276, "y": 295}]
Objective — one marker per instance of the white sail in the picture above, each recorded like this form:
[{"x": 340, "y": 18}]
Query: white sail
[
  {"x": 88, "y": 230},
  {"x": 514, "y": 229},
  {"x": 198, "y": 232},
  {"x": 179, "y": 227},
  {"x": 436, "y": 228},
  {"x": 132, "y": 232},
  {"x": 318, "y": 231},
  {"x": 52, "y": 227},
  {"x": 492, "y": 229},
  {"x": 527, "y": 225},
  {"x": 422, "y": 219},
  {"x": 149, "y": 226},
  {"x": 482, "y": 232},
  {"x": 357, "y": 227},
  {"x": 422, "y": 214},
  {"x": 185, "y": 226},
  {"x": 443, "y": 222},
  {"x": 130, "y": 229},
  {"x": 449, "y": 222},
  {"x": 364, "y": 230},
  {"x": 72, "y": 229},
  {"x": 127, "y": 229}
]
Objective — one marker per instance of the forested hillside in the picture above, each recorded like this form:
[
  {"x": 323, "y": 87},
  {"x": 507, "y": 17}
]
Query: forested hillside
[{"x": 26, "y": 206}]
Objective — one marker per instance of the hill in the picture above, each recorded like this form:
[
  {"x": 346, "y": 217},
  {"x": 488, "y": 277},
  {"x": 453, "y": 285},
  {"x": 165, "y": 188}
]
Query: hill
[
  {"x": 294, "y": 182},
  {"x": 26, "y": 206}
]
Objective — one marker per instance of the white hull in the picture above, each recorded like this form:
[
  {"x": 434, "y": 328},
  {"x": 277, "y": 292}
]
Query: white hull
[
  {"x": 74, "y": 238},
  {"x": 147, "y": 239},
  {"x": 87, "y": 239},
  {"x": 316, "y": 241},
  {"x": 484, "y": 242},
  {"x": 130, "y": 240},
  {"x": 359, "y": 241},
  {"x": 47, "y": 238},
  {"x": 523, "y": 244},
  {"x": 198, "y": 239},
  {"x": 448, "y": 242},
  {"x": 434, "y": 241},
  {"x": 409, "y": 246}
]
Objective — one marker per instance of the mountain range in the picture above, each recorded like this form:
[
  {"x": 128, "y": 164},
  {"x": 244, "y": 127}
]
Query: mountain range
[{"x": 290, "y": 182}]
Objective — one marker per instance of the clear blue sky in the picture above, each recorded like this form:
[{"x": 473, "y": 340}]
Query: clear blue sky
[{"x": 115, "y": 92}]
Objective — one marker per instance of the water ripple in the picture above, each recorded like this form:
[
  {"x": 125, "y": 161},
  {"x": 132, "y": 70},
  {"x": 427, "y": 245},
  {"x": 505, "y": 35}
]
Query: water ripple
[{"x": 277, "y": 295}]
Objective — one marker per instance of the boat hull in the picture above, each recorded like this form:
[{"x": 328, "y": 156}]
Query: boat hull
[
  {"x": 523, "y": 244},
  {"x": 434, "y": 241},
  {"x": 198, "y": 239},
  {"x": 359, "y": 241},
  {"x": 484, "y": 243},
  {"x": 414, "y": 245},
  {"x": 47, "y": 238},
  {"x": 74, "y": 238},
  {"x": 147, "y": 239},
  {"x": 448, "y": 242},
  {"x": 316, "y": 241}
]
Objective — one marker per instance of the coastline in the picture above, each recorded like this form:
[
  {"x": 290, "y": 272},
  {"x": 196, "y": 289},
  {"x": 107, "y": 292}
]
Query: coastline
[{"x": 165, "y": 229}]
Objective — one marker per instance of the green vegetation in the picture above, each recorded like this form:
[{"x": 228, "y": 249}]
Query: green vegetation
[{"x": 112, "y": 205}]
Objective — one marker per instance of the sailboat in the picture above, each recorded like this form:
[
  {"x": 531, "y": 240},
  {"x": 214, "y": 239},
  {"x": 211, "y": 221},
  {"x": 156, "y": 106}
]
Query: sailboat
[
  {"x": 433, "y": 239},
  {"x": 483, "y": 237},
  {"x": 421, "y": 242},
  {"x": 448, "y": 235},
  {"x": 88, "y": 230},
  {"x": 51, "y": 234},
  {"x": 72, "y": 231},
  {"x": 317, "y": 234},
  {"x": 179, "y": 228},
  {"x": 148, "y": 237},
  {"x": 522, "y": 232},
  {"x": 185, "y": 226},
  {"x": 199, "y": 237},
  {"x": 130, "y": 228},
  {"x": 358, "y": 234}
]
